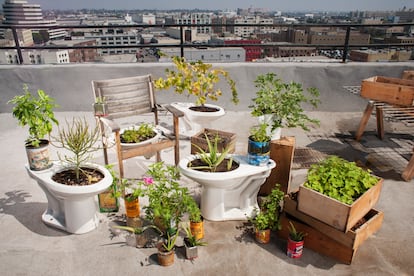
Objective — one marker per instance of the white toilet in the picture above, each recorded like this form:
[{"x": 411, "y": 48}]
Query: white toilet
[
  {"x": 194, "y": 121},
  {"x": 229, "y": 195},
  {"x": 70, "y": 208}
]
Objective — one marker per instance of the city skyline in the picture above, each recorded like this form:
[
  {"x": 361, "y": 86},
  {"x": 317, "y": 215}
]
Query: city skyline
[{"x": 269, "y": 5}]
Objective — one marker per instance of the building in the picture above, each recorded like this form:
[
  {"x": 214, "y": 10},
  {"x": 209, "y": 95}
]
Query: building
[
  {"x": 35, "y": 57},
  {"x": 380, "y": 55},
  {"x": 80, "y": 55},
  {"x": 230, "y": 54},
  {"x": 20, "y": 12},
  {"x": 248, "y": 31}
]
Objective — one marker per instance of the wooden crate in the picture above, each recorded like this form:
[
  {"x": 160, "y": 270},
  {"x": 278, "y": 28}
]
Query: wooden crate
[
  {"x": 227, "y": 139},
  {"x": 335, "y": 213},
  {"x": 408, "y": 75},
  {"x": 353, "y": 238},
  {"x": 320, "y": 242},
  {"x": 389, "y": 90}
]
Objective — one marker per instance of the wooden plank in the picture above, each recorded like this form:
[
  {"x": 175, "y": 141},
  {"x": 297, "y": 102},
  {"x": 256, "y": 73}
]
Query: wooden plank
[
  {"x": 317, "y": 241},
  {"x": 281, "y": 151},
  {"x": 227, "y": 139},
  {"x": 408, "y": 172},
  {"x": 389, "y": 90},
  {"x": 408, "y": 75},
  {"x": 364, "y": 120},
  {"x": 335, "y": 213},
  {"x": 352, "y": 238}
]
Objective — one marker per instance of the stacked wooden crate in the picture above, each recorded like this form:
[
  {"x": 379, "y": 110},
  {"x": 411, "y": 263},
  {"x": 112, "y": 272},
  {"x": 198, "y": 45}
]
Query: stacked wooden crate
[{"x": 334, "y": 229}]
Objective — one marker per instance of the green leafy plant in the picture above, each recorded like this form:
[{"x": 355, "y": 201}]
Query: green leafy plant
[
  {"x": 212, "y": 157},
  {"x": 35, "y": 112},
  {"x": 268, "y": 215},
  {"x": 296, "y": 235},
  {"x": 196, "y": 79},
  {"x": 167, "y": 200},
  {"x": 259, "y": 133},
  {"x": 191, "y": 239},
  {"x": 135, "y": 135},
  {"x": 340, "y": 179},
  {"x": 194, "y": 211},
  {"x": 169, "y": 243},
  {"x": 80, "y": 140},
  {"x": 283, "y": 101}
]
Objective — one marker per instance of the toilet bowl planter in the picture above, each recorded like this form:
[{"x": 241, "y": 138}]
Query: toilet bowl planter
[
  {"x": 196, "y": 117},
  {"x": 229, "y": 195},
  {"x": 71, "y": 208}
]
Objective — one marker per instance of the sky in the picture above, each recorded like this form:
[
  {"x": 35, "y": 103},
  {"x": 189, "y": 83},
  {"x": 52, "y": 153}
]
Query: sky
[{"x": 271, "y": 5}]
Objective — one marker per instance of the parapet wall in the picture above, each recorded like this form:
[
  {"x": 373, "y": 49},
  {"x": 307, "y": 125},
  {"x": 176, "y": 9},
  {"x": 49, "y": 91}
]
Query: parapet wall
[{"x": 70, "y": 84}]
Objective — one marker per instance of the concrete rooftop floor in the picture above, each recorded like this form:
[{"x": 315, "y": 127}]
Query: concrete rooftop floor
[{"x": 29, "y": 247}]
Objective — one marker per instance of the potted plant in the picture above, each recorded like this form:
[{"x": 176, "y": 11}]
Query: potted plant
[
  {"x": 212, "y": 159},
  {"x": 225, "y": 176},
  {"x": 259, "y": 145},
  {"x": 167, "y": 199},
  {"x": 108, "y": 200},
  {"x": 279, "y": 104},
  {"x": 196, "y": 79},
  {"x": 166, "y": 249},
  {"x": 191, "y": 244},
  {"x": 196, "y": 219},
  {"x": 36, "y": 113},
  {"x": 72, "y": 185},
  {"x": 349, "y": 192},
  {"x": 295, "y": 242},
  {"x": 139, "y": 239},
  {"x": 199, "y": 80},
  {"x": 267, "y": 218},
  {"x": 100, "y": 107},
  {"x": 142, "y": 134}
]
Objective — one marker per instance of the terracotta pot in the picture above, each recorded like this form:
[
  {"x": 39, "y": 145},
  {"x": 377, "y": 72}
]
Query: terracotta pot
[
  {"x": 294, "y": 248},
  {"x": 131, "y": 207},
  {"x": 262, "y": 236},
  {"x": 197, "y": 229},
  {"x": 165, "y": 258}
]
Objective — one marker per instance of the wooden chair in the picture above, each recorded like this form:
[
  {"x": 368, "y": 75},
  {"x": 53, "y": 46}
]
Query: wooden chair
[{"x": 128, "y": 97}]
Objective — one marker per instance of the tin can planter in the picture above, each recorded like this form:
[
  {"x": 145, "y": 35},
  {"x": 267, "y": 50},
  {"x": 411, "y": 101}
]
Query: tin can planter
[
  {"x": 38, "y": 157},
  {"x": 258, "y": 152},
  {"x": 131, "y": 206},
  {"x": 294, "y": 248},
  {"x": 191, "y": 252},
  {"x": 100, "y": 109},
  {"x": 262, "y": 236},
  {"x": 197, "y": 229}
]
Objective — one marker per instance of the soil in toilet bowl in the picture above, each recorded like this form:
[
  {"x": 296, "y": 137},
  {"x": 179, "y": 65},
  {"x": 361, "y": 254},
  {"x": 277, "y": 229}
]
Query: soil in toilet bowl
[
  {"x": 223, "y": 167},
  {"x": 88, "y": 176}
]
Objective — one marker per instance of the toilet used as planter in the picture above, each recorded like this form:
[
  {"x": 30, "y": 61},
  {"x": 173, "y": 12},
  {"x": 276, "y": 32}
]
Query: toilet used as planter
[
  {"x": 194, "y": 121},
  {"x": 70, "y": 208},
  {"x": 229, "y": 195}
]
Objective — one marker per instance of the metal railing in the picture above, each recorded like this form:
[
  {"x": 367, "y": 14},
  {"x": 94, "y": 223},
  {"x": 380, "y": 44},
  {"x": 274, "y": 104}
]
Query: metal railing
[{"x": 182, "y": 44}]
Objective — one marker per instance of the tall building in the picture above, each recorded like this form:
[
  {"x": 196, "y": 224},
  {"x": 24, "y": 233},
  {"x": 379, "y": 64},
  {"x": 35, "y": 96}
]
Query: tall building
[{"x": 20, "y": 12}]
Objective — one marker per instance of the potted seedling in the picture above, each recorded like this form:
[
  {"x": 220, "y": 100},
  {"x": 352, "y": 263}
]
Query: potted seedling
[
  {"x": 267, "y": 217},
  {"x": 259, "y": 145},
  {"x": 100, "y": 107},
  {"x": 166, "y": 249},
  {"x": 295, "y": 242},
  {"x": 36, "y": 112},
  {"x": 196, "y": 219},
  {"x": 279, "y": 104},
  {"x": 191, "y": 244}
]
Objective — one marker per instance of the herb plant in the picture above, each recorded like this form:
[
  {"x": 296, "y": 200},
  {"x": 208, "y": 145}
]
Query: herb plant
[
  {"x": 196, "y": 79},
  {"x": 283, "y": 101},
  {"x": 35, "y": 112},
  {"x": 135, "y": 135},
  {"x": 268, "y": 215},
  {"x": 340, "y": 179},
  {"x": 259, "y": 133}
]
